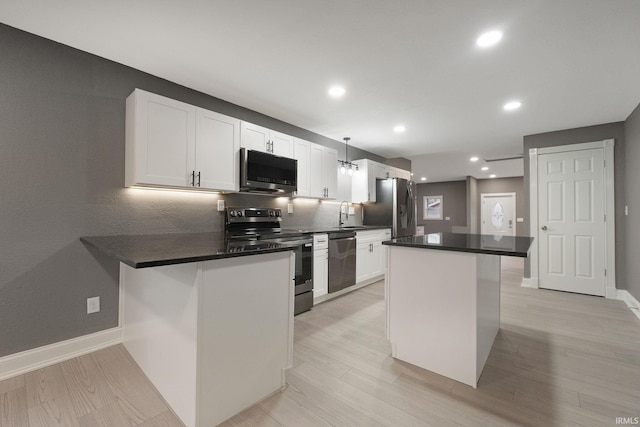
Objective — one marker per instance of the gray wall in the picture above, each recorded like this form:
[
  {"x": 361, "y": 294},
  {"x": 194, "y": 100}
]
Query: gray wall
[
  {"x": 579, "y": 135},
  {"x": 632, "y": 199},
  {"x": 454, "y": 199},
  {"x": 62, "y": 127},
  {"x": 505, "y": 185}
]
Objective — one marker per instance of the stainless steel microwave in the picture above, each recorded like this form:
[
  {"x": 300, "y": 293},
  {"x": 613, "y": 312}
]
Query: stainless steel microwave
[{"x": 265, "y": 172}]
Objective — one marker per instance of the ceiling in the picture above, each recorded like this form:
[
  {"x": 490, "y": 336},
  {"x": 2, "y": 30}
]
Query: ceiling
[{"x": 571, "y": 63}]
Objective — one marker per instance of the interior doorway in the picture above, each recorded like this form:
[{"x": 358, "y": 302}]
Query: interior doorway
[{"x": 573, "y": 218}]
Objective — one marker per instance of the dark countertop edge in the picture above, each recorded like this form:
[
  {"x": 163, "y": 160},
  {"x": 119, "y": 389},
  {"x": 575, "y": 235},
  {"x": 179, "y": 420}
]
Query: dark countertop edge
[
  {"x": 456, "y": 249},
  {"x": 173, "y": 261},
  {"x": 180, "y": 260},
  {"x": 322, "y": 230}
]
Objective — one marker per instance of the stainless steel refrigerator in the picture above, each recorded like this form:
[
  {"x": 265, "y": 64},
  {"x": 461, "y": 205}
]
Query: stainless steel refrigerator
[{"x": 395, "y": 206}]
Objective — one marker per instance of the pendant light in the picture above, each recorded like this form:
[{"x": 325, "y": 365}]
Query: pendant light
[{"x": 347, "y": 167}]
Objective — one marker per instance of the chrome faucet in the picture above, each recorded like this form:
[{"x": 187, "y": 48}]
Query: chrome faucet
[{"x": 346, "y": 215}]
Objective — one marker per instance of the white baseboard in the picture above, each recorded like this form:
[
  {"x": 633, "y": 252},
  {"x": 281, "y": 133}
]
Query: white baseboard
[
  {"x": 41, "y": 357},
  {"x": 629, "y": 299}
]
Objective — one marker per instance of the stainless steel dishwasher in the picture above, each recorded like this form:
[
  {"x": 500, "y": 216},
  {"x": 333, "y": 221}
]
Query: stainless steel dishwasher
[{"x": 342, "y": 260}]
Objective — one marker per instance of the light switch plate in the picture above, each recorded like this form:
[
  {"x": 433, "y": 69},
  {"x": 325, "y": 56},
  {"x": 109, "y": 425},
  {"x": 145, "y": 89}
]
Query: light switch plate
[
  {"x": 519, "y": 219},
  {"x": 93, "y": 305},
  {"x": 220, "y": 205},
  {"x": 447, "y": 218},
  {"x": 352, "y": 210}
]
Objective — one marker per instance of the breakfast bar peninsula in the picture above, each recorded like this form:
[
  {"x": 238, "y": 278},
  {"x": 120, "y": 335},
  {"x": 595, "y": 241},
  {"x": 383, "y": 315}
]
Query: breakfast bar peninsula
[{"x": 443, "y": 299}]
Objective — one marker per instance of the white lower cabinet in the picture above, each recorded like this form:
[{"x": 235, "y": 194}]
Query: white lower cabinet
[
  {"x": 320, "y": 265},
  {"x": 370, "y": 254},
  {"x": 214, "y": 337}
]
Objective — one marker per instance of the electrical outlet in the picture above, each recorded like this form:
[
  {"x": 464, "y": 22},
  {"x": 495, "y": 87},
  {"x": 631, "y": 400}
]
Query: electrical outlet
[
  {"x": 220, "y": 205},
  {"x": 352, "y": 210},
  {"x": 626, "y": 210},
  {"x": 447, "y": 218},
  {"x": 93, "y": 305},
  {"x": 519, "y": 219},
  {"x": 290, "y": 208}
]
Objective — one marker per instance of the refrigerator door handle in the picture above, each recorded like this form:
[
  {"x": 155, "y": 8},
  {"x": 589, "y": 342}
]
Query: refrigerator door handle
[{"x": 409, "y": 202}]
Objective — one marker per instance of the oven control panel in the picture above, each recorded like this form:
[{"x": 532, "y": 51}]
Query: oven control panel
[{"x": 235, "y": 215}]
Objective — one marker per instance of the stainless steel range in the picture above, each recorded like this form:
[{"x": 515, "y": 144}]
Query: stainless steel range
[{"x": 262, "y": 226}]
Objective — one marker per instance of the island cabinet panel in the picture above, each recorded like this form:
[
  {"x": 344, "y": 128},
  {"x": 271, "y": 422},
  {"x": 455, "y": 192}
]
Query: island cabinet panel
[
  {"x": 214, "y": 337},
  {"x": 443, "y": 310}
]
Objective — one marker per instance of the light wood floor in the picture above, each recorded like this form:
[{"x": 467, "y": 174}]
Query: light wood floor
[{"x": 559, "y": 360}]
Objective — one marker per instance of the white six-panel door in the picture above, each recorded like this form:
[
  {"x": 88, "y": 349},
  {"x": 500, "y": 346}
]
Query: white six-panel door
[{"x": 571, "y": 221}]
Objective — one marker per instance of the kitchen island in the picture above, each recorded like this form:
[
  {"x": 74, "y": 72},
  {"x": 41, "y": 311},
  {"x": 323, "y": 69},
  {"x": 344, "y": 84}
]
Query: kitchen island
[
  {"x": 210, "y": 322},
  {"x": 443, "y": 299}
]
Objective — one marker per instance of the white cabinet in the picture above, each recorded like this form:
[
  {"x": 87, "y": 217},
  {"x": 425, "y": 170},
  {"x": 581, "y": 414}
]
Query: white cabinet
[
  {"x": 370, "y": 260},
  {"x": 323, "y": 164},
  {"x": 259, "y": 138},
  {"x": 364, "y": 180},
  {"x": 187, "y": 326},
  {"x": 217, "y": 147},
  {"x": 320, "y": 265},
  {"x": 160, "y": 141},
  {"x": 301, "y": 152},
  {"x": 170, "y": 143}
]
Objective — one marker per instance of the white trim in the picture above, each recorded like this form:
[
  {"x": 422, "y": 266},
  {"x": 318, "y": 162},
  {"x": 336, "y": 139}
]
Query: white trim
[
  {"x": 609, "y": 189},
  {"x": 41, "y": 357},
  {"x": 630, "y": 300},
  {"x": 533, "y": 217}
]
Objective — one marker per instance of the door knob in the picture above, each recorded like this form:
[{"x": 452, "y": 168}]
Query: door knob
[{"x": 544, "y": 228}]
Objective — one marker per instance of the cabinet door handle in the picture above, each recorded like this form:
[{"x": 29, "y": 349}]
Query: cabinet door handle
[
  {"x": 193, "y": 178},
  {"x": 199, "y": 178}
]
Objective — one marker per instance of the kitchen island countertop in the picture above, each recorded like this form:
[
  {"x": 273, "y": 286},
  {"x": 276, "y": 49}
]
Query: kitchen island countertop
[{"x": 517, "y": 246}]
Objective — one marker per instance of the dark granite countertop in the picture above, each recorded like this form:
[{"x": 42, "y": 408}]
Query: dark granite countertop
[
  {"x": 152, "y": 250},
  {"x": 475, "y": 243},
  {"x": 314, "y": 229}
]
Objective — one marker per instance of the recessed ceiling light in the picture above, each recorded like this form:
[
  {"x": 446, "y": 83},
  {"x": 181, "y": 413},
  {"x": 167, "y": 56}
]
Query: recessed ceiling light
[
  {"x": 489, "y": 38},
  {"x": 424, "y": 178},
  {"x": 485, "y": 168},
  {"x": 493, "y": 175},
  {"x": 512, "y": 105},
  {"x": 399, "y": 128},
  {"x": 337, "y": 91},
  {"x": 474, "y": 159}
]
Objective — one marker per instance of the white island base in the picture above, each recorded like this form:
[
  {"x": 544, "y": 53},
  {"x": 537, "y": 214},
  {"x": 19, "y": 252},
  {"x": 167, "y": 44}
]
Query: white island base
[
  {"x": 214, "y": 337},
  {"x": 443, "y": 309}
]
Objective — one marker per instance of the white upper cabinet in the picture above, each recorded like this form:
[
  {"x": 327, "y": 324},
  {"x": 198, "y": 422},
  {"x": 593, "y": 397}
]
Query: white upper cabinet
[
  {"x": 160, "y": 141},
  {"x": 363, "y": 187},
  {"x": 254, "y": 137},
  {"x": 323, "y": 163},
  {"x": 170, "y": 143},
  {"x": 301, "y": 152},
  {"x": 330, "y": 171},
  {"x": 217, "y": 150}
]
